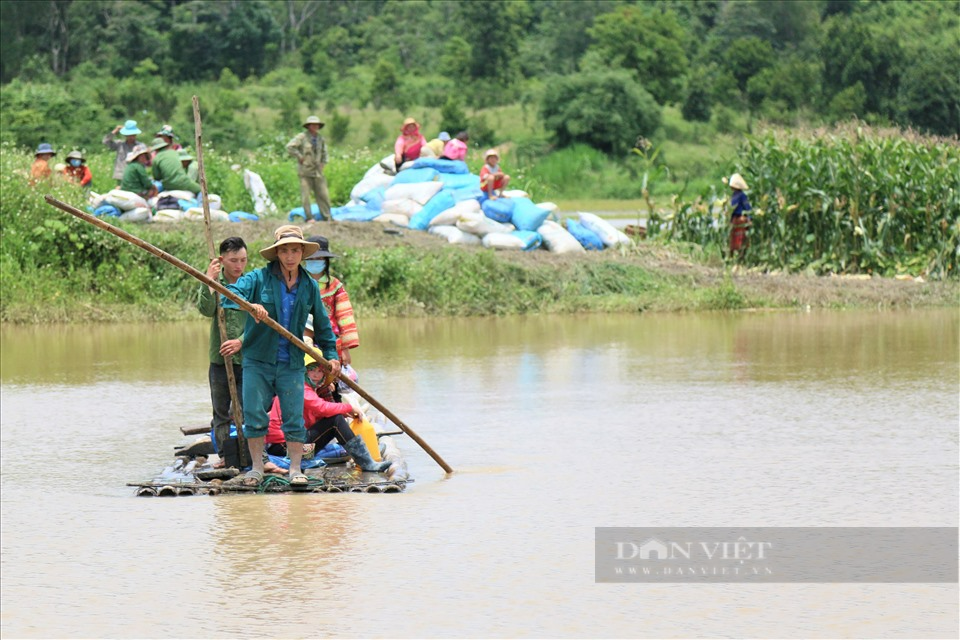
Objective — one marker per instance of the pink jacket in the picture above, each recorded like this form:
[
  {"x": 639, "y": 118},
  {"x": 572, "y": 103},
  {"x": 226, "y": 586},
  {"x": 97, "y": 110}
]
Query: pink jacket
[
  {"x": 314, "y": 408},
  {"x": 408, "y": 148},
  {"x": 455, "y": 150}
]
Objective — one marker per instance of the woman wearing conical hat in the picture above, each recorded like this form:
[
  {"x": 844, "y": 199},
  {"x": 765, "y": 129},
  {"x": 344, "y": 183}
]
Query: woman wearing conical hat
[{"x": 739, "y": 220}]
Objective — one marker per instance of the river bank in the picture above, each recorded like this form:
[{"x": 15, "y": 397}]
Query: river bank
[{"x": 392, "y": 272}]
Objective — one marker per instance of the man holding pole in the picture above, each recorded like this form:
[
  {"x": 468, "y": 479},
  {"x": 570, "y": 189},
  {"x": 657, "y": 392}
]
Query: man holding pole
[
  {"x": 227, "y": 269},
  {"x": 284, "y": 292}
]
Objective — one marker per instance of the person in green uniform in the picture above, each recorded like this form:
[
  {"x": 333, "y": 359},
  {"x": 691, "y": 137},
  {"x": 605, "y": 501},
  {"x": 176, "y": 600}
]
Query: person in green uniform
[
  {"x": 189, "y": 165},
  {"x": 135, "y": 178},
  {"x": 168, "y": 169},
  {"x": 226, "y": 269},
  {"x": 310, "y": 150}
]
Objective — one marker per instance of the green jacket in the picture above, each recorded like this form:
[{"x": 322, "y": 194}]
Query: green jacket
[
  {"x": 168, "y": 169},
  {"x": 310, "y": 161},
  {"x": 235, "y": 318},
  {"x": 135, "y": 179},
  {"x": 263, "y": 287}
]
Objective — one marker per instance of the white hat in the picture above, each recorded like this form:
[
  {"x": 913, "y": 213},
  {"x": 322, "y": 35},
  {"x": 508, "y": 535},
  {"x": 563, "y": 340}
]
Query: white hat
[{"x": 737, "y": 182}]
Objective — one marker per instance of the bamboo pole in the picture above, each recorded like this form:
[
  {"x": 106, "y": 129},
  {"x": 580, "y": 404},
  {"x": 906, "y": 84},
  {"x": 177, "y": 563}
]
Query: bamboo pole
[
  {"x": 246, "y": 306},
  {"x": 223, "y": 435}
]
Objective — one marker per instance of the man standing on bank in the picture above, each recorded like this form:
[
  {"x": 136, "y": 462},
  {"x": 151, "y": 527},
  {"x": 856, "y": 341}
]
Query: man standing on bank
[{"x": 310, "y": 150}]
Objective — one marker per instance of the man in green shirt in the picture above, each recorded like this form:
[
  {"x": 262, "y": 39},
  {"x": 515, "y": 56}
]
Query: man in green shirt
[
  {"x": 310, "y": 150},
  {"x": 135, "y": 178},
  {"x": 227, "y": 269},
  {"x": 168, "y": 169}
]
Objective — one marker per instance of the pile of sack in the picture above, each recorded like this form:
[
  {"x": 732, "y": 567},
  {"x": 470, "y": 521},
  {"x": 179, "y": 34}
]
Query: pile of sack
[
  {"x": 174, "y": 206},
  {"x": 442, "y": 196}
]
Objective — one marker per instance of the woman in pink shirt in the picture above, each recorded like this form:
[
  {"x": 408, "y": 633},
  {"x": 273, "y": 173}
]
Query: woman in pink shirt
[
  {"x": 456, "y": 149},
  {"x": 409, "y": 143}
]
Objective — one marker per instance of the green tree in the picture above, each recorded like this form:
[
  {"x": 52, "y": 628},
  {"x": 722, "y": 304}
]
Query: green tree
[
  {"x": 386, "y": 82},
  {"x": 746, "y": 57},
  {"x": 496, "y": 28},
  {"x": 648, "y": 44},
  {"x": 853, "y": 52},
  {"x": 696, "y": 101},
  {"x": 339, "y": 127},
  {"x": 607, "y": 110},
  {"x": 929, "y": 96},
  {"x": 452, "y": 116}
]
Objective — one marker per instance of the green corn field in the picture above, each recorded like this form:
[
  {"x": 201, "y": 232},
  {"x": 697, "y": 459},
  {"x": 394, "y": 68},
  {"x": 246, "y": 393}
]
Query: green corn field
[{"x": 852, "y": 200}]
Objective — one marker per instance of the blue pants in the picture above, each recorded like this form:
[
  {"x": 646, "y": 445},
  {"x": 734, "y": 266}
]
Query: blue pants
[{"x": 261, "y": 382}]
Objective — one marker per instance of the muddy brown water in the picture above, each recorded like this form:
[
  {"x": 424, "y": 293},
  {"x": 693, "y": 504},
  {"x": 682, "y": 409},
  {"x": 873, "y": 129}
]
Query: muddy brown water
[{"x": 555, "y": 425}]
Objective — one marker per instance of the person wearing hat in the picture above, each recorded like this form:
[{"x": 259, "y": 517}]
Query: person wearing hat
[
  {"x": 168, "y": 169},
  {"x": 456, "y": 149},
  {"x": 77, "y": 170},
  {"x": 166, "y": 132},
  {"x": 408, "y": 144},
  {"x": 335, "y": 299},
  {"x": 135, "y": 178},
  {"x": 40, "y": 169},
  {"x": 272, "y": 366},
  {"x": 739, "y": 220},
  {"x": 492, "y": 180},
  {"x": 123, "y": 147},
  {"x": 186, "y": 161},
  {"x": 436, "y": 145},
  {"x": 225, "y": 269},
  {"x": 310, "y": 150}
]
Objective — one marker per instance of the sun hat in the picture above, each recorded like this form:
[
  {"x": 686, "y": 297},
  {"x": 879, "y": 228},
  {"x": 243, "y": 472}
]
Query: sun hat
[
  {"x": 491, "y": 152},
  {"x": 323, "y": 250},
  {"x": 75, "y": 154},
  {"x": 444, "y": 136},
  {"x": 158, "y": 143},
  {"x": 45, "y": 147},
  {"x": 288, "y": 234},
  {"x": 409, "y": 121},
  {"x": 185, "y": 155},
  {"x": 737, "y": 182},
  {"x": 138, "y": 150},
  {"x": 167, "y": 130},
  {"x": 130, "y": 128},
  {"x": 313, "y": 120}
]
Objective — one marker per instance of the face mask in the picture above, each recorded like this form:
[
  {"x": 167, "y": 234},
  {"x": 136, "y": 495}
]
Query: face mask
[
  {"x": 316, "y": 267},
  {"x": 74, "y": 162}
]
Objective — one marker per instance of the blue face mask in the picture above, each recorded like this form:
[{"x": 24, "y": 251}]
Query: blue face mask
[
  {"x": 74, "y": 162},
  {"x": 316, "y": 267}
]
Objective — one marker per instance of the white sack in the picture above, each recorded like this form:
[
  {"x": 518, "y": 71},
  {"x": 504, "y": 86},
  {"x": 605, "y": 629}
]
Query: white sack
[
  {"x": 393, "y": 218},
  {"x": 558, "y": 240},
  {"x": 480, "y": 225},
  {"x": 124, "y": 200},
  {"x": 140, "y": 214},
  {"x": 403, "y": 206},
  {"x": 168, "y": 215},
  {"x": 418, "y": 191},
  {"x": 455, "y": 235},
  {"x": 262, "y": 204},
  {"x": 610, "y": 236}
]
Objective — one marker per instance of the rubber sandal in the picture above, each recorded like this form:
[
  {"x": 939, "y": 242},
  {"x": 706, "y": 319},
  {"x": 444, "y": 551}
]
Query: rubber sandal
[
  {"x": 298, "y": 480},
  {"x": 252, "y": 478}
]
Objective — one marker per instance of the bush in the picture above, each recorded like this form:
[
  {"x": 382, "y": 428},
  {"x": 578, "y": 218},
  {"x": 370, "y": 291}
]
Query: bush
[{"x": 606, "y": 110}]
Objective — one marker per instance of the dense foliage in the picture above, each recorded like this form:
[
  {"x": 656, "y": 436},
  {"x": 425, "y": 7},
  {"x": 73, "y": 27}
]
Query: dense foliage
[{"x": 846, "y": 201}]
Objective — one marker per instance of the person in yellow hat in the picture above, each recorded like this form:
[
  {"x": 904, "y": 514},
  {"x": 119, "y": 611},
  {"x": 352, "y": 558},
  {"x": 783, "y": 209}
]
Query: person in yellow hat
[
  {"x": 310, "y": 150},
  {"x": 408, "y": 144},
  {"x": 272, "y": 366},
  {"x": 492, "y": 179}
]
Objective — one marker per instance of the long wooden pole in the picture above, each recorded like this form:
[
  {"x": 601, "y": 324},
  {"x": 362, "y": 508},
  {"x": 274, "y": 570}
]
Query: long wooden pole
[
  {"x": 223, "y": 437},
  {"x": 246, "y": 306}
]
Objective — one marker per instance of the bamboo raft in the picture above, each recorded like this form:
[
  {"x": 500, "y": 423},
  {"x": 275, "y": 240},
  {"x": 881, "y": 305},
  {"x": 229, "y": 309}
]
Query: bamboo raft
[{"x": 192, "y": 474}]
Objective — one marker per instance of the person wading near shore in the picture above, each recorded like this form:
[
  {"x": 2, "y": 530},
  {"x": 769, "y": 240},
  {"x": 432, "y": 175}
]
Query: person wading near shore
[
  {"x": 122, "y": 147},
  {"x": 739, "y": 220},
  {"x": 310, "y": 150},
  {"x": 272, "y": 366},
  {"x": 227, "y": 269}
]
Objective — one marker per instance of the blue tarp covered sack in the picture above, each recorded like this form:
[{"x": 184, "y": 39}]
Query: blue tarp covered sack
[
  {"x": 526, "y": 215},
  {"x": 588, "y": 239},
  {"x": 354, "y": 213},
  {"x": 107, "y": 210},
  {"x": 466, "y": 193},
  {"x": 186, "y": 205},
  {"x": 500, "y": 209},
  {"x": 531, "y": 239},
  {"x": 374, "y": 198},
  {"x": 284, "y": 463},
  {"x": 437, "y": 204},
  {"x": 242, "y": 216},
  {"x": 297, "y": 212},
  {"x": 409, "y": 176},
  {"x": 333, "y": 452},
  {"x": 459, "y": 180},
  {"x": 442, "y": 165}
]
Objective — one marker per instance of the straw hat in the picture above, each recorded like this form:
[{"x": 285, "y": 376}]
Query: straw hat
[
  {"x": 288, "y": 234},
  {"x": 313, "y": 120},
  {"x": 408, "y": 122},
  {"x": 138, "y": 150},
  {"x": 491, "y": 152},
  {"x": 323, "y": 251},
  {"x": 737, "y": 182}
]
